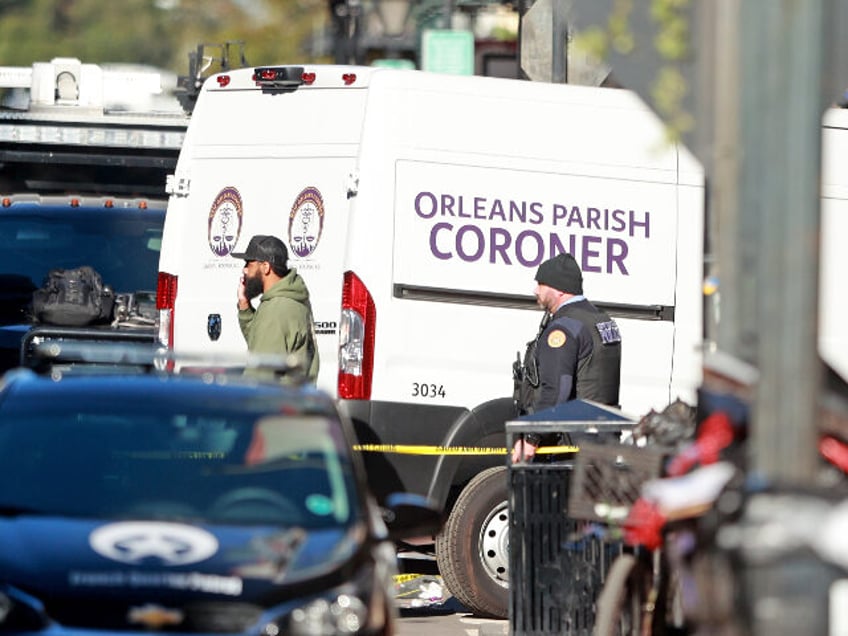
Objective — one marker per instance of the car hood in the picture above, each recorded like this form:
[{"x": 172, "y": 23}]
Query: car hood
[{"x": 150, "y": 561}]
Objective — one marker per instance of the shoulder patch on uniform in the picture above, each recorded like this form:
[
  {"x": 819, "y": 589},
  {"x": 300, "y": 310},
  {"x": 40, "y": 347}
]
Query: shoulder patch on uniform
[
  {"x": 609, "y": 332},
  {"x": 556, "y": 339}
]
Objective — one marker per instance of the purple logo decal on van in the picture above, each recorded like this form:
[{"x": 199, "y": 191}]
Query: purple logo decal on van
[
  {"x": 306, "y": 222},
  {"x": 225, "y": 221}
]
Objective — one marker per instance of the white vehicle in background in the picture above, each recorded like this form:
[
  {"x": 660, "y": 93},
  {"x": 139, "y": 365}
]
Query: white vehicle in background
[
  {"x": 833, "y": 302},
  {"x": 417, "y": 207},
  {"x": 73, "y": 127}
]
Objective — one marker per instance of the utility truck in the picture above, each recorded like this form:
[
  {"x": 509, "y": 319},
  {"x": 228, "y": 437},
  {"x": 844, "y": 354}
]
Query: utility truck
[
  {"x": 70, "y": 127},
  {"x": 84, "y": 154},
  {"x": 417, "y": 207}
]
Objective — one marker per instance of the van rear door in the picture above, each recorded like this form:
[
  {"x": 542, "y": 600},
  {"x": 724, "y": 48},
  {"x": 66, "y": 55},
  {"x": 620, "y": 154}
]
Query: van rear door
[{"x": 260, "y": 161}]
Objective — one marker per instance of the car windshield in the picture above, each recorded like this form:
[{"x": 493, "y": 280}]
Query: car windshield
[
  {"x": 291, "y": 470},
  {"x": 121, "y": 245}
]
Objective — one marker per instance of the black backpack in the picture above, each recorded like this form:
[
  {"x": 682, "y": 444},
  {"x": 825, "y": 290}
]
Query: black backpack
[{"x": 73, "y": 298}]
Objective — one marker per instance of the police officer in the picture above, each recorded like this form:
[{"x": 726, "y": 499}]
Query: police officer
[{"x": 577, "y": 353}]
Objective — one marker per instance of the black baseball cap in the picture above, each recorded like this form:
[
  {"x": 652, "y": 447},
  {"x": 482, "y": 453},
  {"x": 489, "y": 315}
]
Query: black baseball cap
[{"x": 265, "y": 248}]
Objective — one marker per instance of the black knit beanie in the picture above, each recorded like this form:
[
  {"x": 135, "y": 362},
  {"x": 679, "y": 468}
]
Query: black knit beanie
[{"x": 561, "y": 272}]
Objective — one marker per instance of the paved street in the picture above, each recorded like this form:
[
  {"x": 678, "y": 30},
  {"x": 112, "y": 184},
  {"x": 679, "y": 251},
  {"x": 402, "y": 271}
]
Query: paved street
[
  {"x": 427, "y": 608},
  {"x": 447, "y": 619}
]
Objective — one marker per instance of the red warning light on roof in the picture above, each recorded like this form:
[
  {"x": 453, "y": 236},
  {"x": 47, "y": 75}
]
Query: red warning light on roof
[
  {"x": 223, "y": 81},
  {"x": 278, "y": 78},
  {"x": 349, "y": 78}
]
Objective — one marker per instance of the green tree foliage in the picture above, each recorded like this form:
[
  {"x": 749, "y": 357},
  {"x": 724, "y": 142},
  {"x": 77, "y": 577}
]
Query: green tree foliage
[
  {"x": 671, "y": 41},
  {"x": 158, "y": 32},
  {"x": 274, "y": 31},
  {"x": 92, "y": 30}
]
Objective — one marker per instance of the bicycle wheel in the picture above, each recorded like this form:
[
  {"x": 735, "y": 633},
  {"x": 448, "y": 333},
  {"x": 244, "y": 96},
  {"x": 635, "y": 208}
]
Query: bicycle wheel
[{"x": 620, "y": 609}]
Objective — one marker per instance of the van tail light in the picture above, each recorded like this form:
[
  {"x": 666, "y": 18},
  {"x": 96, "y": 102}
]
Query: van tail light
[
  {"x": 356, "y": 340},
  {"x": 166, "y": 297}
]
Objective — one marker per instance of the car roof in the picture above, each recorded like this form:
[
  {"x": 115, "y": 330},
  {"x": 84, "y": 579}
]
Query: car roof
[
  {"x": 63, "y": 211},
  {"x": 160, "y": 392},
  {"x": 75, "y": 204}
]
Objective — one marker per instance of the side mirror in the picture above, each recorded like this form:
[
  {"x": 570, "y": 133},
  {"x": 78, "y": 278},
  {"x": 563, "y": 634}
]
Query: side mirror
[{"x": 409, "y": 515}]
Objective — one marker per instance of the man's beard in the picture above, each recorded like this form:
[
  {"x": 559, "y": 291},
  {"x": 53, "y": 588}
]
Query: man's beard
[
  {"x": 542, "y": 303},
  {"x": 252, "y": 287}
]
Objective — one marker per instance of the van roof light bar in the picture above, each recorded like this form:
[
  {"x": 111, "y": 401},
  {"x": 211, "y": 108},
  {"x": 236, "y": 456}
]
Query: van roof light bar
[{"x": 278, "y": 77}]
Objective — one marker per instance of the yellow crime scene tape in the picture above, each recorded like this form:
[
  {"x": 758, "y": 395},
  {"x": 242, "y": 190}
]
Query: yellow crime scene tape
[
  {"x": 414, "y": 449},
  {"x": 405, "y": 578}
]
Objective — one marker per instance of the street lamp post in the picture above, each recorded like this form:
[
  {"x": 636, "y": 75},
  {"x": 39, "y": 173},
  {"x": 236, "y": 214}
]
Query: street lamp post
[
  {"x": 393, "y": 16},
  {"x": 385, "y": 32},
  {"x": 346, "y": 20}
]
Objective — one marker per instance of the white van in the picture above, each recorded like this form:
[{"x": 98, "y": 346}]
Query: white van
[
  {"x": 833, "y": 302},
  {"x": 417, "y": 208}
]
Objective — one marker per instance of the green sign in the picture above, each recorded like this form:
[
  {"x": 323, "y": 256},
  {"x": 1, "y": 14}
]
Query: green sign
[
  {"x": 398, "y": 62},
  {"x": 447, "y": 51}
]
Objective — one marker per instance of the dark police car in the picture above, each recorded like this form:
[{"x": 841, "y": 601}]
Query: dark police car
[{"x": 198, "y": 503}]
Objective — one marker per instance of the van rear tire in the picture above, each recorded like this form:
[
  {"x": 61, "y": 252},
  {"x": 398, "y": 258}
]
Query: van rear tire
[{"x": 472, "y": 548}]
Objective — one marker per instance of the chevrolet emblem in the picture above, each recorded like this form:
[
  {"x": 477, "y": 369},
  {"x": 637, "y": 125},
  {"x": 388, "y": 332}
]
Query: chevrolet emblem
[{"x": 155, "y": 616}]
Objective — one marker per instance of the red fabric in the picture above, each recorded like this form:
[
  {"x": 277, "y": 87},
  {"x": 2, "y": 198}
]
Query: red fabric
[
  {"x": 835, "y": 451},
  {"x": 683, "y": 462},
  {"x": 256, "y": 453},
  {"x": 714, "y": 435},
  {"x": 644, "y": 525}
]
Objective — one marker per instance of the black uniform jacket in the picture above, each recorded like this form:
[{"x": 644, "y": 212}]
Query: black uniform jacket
[{"x": 579, "y": 355}]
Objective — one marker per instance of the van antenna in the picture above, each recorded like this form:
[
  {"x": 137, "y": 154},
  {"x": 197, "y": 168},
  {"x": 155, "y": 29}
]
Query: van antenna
[{"x": 200, "y": 61}]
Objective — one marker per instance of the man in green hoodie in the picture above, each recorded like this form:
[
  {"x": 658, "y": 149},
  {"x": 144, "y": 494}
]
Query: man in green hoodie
[{"x": 282, "y": 323}]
